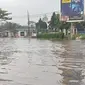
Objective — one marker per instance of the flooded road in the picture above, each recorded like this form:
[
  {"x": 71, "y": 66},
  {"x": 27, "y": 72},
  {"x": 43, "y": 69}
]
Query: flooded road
[{"x": 41, "y": 62}]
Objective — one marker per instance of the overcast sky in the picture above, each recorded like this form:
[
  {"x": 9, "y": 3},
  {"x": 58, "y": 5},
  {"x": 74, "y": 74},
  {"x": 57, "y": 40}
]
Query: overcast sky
[{"x": 19, "y": 8}]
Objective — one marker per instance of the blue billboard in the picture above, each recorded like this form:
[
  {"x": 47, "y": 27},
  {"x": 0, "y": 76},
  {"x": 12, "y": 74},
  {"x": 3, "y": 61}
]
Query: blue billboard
[{"x": 73, "y": 9}]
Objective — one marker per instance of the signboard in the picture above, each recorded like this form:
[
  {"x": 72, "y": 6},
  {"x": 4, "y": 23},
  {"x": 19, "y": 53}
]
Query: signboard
[
  {"x": 66, "y": 1},
  {"x": 72, "y": 9}
]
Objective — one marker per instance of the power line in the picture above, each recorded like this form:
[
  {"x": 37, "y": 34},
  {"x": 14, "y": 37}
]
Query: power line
[{"x": 36, "y": 15}]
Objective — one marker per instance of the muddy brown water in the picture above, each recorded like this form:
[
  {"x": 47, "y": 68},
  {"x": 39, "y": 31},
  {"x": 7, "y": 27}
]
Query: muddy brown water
[{"x": 41, "y": 62}]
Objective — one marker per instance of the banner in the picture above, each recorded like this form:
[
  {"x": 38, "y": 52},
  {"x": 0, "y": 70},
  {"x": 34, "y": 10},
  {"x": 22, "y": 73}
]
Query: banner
[{"x": 72, "y": 9}]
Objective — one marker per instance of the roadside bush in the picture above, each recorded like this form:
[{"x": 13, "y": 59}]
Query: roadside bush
[
  {"x": 57, "y": 35},
  {"x": 82, "y": 36},
  {"x": 75, "y": 36}
]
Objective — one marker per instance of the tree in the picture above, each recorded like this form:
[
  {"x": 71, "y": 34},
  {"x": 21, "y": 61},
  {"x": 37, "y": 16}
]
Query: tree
[
  {"x": 55, "y": 22},
  {"x": 11, "y": 27},
  {"x": 67, "y": 25},
  {"x": 45, "y": 18},
  {"x": 41, "y": 26},
  {"x": 64, "y": 25},
  {"x": 61, "y": 27},
  {"x": 4, "y": 15},
  {"x": 38, "y": 25}
]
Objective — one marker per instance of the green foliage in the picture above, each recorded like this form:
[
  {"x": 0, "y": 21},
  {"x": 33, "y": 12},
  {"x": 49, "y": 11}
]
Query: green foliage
[
  {"x": 41, "y": 26},
  {"x": 11, "y": 26},
  {"x": 58, "y": 35},
  {"x": 61, "y": 27},
  {"x": 82, "y": 36},
  {"x": 64, "y": 25},
  {"x": 67, "y": 25},
  {"x": 55, "y": 22},
  {"x": 4, "y": 15}
]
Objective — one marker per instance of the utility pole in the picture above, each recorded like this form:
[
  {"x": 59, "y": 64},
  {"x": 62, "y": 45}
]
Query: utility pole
[{"x": 28, "y": 24}]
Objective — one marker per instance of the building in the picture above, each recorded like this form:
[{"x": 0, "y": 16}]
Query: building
[{"x": 20, "y": 31}]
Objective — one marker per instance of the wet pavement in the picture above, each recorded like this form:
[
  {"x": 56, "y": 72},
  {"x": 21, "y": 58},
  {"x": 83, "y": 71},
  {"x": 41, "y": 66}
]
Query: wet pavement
[{"x": 41, "y": 62}]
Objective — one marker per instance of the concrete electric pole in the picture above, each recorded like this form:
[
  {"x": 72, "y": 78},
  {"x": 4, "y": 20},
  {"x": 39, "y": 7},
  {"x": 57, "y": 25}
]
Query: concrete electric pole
[{"x": 28, "y": 24}]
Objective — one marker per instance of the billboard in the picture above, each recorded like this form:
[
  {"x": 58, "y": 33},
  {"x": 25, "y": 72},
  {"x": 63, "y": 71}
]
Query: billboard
[{"x": 72, "y": 10}]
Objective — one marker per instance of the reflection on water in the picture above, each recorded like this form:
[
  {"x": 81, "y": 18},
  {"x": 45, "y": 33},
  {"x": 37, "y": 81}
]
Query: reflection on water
[
  {"x": 5, "y": 51},
  {"x": 41, "y": 62},
  {"x": 74, "y": 63}
]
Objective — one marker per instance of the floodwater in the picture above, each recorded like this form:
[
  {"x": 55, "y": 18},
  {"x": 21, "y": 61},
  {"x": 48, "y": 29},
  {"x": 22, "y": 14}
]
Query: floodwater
[{"x": 41, "y": 62}]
